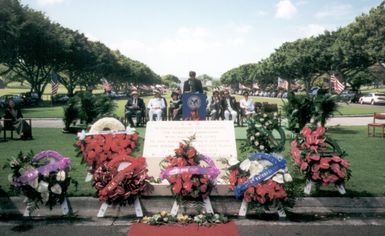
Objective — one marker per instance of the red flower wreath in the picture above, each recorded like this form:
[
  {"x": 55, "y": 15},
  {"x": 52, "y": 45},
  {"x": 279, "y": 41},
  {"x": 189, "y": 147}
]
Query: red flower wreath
[
  {"x": 121, "y": 187},
  {"x": 320, "y": 164},
  {"x": 187, "y": 186},
  {"x": 267, "y": 193},
  {"x": 99, "y": 148}
]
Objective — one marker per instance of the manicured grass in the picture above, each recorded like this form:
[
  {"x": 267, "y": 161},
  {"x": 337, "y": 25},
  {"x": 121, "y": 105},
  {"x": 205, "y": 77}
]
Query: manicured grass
[
  {"x": 366, "y": 155},
  {"x": 44, "y": 112},
  {"x": 358, "y": 109}
]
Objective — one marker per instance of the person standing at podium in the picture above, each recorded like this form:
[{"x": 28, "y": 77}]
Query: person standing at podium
[{"x": 192, "y": 85}]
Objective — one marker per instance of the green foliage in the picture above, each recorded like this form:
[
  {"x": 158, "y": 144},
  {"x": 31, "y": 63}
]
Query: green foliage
[
  {"x": 348, "y": 52},
  {"x": 303, "y": 109},
  {"x": 87, "y": 107},
  {"x": 32, "y": 46}
]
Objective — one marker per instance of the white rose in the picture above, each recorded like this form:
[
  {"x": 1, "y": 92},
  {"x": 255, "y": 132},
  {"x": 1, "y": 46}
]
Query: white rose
[
  {"x": 56, "y": 189},
  {"x": 252, "y": 138},
  {"x": 43, "y": 187},
  {"x": 255, "y": 168},
  {"x": 61, "y": 175},
  {"x": 233, "y": 161},
  {"x": 275, "y": 114},
  {"x": 261, "y": 147},
  {"x": 265, "y": 115},
  {"x": 257, "y": 125},
  {"x": 245, "y": 165},
  {"x": 257, "y": 134},
  {"x": 261, "y": 120},
  {"x": 256, "y": 143},
  {"x": 288, "y": 177},
  {"x": 278, "y": 178}
]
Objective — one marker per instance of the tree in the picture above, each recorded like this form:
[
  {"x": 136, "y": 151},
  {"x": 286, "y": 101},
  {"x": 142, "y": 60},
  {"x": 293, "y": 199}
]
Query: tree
[
  {"x": 205, "y": 78},
  {"x": 38, "y": 49},
  {"x": 170, "y": 81}
]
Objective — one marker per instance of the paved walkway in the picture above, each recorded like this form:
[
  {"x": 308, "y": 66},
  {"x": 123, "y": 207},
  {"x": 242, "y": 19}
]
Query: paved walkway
[{"x": 346, "y": 121}]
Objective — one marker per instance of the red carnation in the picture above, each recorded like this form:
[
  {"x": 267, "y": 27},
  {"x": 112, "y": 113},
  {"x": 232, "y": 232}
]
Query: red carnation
[{"x": 191, "y": 153}]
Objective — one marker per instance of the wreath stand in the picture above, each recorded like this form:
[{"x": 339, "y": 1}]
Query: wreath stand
[
  {"x": 104, "y": 207},
  {"x": 333, "y": 149},
  {"x": 206, "y": 202},
  {"x": 64, "y": 207},
  {"x": 137, "y": 206},
  {"x": 309, "y": 184},
  {"x": 243, "y": 210}
]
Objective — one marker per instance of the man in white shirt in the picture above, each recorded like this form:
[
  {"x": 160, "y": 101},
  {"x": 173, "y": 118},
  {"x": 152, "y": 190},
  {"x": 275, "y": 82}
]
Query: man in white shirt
[
  {"x": 247, "y": 105},
  {"x": 155, "y": 106}
]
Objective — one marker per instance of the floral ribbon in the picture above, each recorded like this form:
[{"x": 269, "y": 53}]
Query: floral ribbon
[
  {"x": 212, "y": 171},
  {"x": 82, "y": 135},
  {"x": 264, "y": 175},
  {"x": 60, "y": 163},
  {"x": 119, "y": 177}
]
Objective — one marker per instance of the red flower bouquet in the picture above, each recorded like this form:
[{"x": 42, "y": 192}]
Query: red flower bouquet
[
  {"x": 116, "y": 186},
  {"x": 319, "y": 157},
  {"x": 100, "y": 148},
  {"x": 189, "y": 181},
  {"x": 268, "y": 192}
]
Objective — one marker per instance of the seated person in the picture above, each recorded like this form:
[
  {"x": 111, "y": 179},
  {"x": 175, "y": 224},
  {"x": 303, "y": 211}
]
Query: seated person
[
  {"x": 135, "y": 106},
  {"x": 178, "y": 91},
  {"x": 229, "y": 105},
  {"x": 175, "y": 106},
  {"x": 215, "y": 106},
  {"x": 247, "y": 105},
  {"x": 14, "y": 121},
  {"x": 156, "y": 106}
]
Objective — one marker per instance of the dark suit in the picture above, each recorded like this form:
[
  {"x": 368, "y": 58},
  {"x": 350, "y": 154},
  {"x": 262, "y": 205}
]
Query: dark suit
[
  {"x": 225, "y": 106},
  {"x": 138, "y": 110},
  {"x": 192, "y": 86}
]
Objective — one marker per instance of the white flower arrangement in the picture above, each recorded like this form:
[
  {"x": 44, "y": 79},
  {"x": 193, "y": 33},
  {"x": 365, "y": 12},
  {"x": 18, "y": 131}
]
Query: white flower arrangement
[{"x": 109, "y": 123}]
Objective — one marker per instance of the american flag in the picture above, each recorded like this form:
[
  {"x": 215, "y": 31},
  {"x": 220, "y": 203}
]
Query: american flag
[
  {"x": 283, "y": 84},
  {"x": 337, "y": 85},
  {"x": 54, "y": 83},
  {"x": 106, "y": 85}
]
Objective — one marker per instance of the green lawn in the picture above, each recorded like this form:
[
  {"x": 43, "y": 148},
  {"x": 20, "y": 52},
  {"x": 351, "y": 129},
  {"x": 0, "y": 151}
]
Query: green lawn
[{"x": 366, "y": 155}]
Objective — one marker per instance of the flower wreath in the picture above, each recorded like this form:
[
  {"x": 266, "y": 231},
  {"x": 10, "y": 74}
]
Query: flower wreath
[
  {"x": 260, "y": 179},
  {"x": 106, "y": 123},
  {"x": 261, "y": 131},
  {"x": 116, "y": 186},
  {"x": 99, "y": 148},
  {"x": 43, "y": 178},
  {"x": 189, "y": 180},
  {"x": 319, "y": 157},
  {"x": 163, "y": 218}
]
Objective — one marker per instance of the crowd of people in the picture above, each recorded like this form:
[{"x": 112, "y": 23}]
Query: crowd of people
[{"x": 220, "y": 106}]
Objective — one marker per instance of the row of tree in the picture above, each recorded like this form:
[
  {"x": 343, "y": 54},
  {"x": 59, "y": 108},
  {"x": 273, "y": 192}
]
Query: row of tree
[
  {"x": 33, "y": 47},
  {"x": 355, "y": 53}
]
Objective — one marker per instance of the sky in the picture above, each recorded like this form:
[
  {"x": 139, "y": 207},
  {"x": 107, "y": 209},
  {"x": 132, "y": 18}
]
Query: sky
[{"x": 207, "y": 36}]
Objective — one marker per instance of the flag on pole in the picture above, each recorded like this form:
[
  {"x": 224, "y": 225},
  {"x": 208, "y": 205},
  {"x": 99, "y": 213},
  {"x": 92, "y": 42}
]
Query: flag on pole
[
  {"x": 106, "y": 85},
  {"x": 337, "y": 85},
  {"x": 283, "y": 84},
  {"x": 54, "y": 83}
]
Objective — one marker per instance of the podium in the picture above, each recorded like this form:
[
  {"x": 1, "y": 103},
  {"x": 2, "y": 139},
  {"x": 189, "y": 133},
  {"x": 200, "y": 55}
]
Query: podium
[{"x": 194, "y": 106}]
